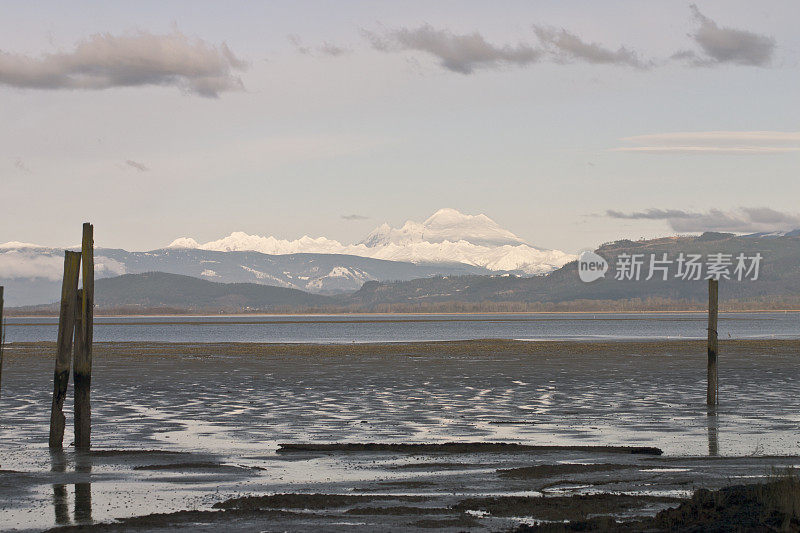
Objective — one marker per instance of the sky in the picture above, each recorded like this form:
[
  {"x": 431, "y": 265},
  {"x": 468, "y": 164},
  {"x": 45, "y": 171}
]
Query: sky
[{"x": 571, "y": 123}]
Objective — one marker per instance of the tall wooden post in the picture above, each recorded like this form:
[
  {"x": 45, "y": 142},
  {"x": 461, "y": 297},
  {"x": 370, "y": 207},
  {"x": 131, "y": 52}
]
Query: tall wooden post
[
  {"x": 2, "y": 338},
  {"x": 82, "y": 367},
  {"x": 66, "y": 327},
  {"x": 713, "y": 303}
]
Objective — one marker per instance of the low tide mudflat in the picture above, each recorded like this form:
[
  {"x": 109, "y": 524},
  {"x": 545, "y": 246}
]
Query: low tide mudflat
[{"x": 191, "y": 434}]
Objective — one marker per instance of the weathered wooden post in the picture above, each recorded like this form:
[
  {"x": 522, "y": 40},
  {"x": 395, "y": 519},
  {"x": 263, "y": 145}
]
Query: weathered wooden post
[
  {"x": 2, "y": 338},
  {"x": 82, "y": 366},
  {"x": 713, "y": 297},
  {"x": 66, "y": 327}
]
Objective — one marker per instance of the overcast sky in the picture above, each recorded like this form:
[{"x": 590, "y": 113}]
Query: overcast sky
[{"x": 570, "y": 123}]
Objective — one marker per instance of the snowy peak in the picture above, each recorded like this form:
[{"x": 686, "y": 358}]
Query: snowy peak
[
  {"x": 16, "y": 245},
  {"x": 446, "y": 237},
  {"x": 239, "y": 241},
  {"x": 452, "y": 225},
  {"x": 453, "y": 217},
  {"x": 184, "y": 242},
  {"x": 444, "y": 225}
]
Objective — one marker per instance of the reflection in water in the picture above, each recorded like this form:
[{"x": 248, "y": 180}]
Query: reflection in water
[
  {"x": 83, "y": 491},
  {"x": 713, "y": 432},
  {"x": 59, "y": 464}
]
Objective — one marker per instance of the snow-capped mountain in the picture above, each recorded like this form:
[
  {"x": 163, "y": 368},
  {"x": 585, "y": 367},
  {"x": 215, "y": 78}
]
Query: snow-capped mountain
[
  {"x": 447, "y": 243},
  {"x": 32, "y": 274},
  {"x": 444, "y": 225},
  {"x": 448, "y": 236}
]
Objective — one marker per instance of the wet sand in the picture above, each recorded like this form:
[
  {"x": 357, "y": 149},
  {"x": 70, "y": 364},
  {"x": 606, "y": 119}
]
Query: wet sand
[{"x": 189, "y": 434}]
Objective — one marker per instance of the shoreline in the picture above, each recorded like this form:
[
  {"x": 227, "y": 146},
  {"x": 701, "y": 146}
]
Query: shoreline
[
  {"x": 10, "y": 313},
  {"x": 478, "y": 347}
]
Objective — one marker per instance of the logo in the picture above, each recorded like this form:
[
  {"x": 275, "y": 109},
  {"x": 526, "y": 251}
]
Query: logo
[{"x": 591, "y": 267}]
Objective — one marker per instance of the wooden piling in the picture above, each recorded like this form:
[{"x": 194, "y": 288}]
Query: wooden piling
[
  {"x": 66, "y": 327},
  {"x": 713, "y": 306},
  {"x": 2, "y": 338},
  {"x": 82, "y": 367}
]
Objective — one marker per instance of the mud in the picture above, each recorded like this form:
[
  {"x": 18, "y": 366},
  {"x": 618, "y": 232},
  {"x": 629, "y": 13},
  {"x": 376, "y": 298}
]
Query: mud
[
  {"x": 562, "y": 507},
  {"x": 546, "y": 471},
  {"x": 772, "y": 506},
  {"x": 304, "y": 501},
  {"x": 462, "y": 426}
]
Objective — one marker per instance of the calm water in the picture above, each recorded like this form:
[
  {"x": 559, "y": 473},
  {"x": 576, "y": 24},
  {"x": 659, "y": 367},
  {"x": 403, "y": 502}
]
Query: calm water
[{"x": 406, "y": 328}]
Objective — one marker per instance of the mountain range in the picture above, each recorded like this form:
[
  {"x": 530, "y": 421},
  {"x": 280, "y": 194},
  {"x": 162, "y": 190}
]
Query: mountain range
[
  {"x": 446, "y": 265},
  {"x": 777, "y": 286},
  {"x": 447, "y": 243},
  {"x": 447, "y": 236}
]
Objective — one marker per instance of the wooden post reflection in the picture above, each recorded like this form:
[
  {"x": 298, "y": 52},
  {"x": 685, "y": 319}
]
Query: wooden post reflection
[
  {"x": 59, "y": 464},
  {"x": 83, "y": 491},
  {"x": 713, "y": 432}
]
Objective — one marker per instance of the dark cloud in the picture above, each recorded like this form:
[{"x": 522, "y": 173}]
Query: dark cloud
[
  {"x": 355, "y": 217},
  {"x": 729, "y": 45},
  {"x": 743, "y": 220},
  {"x": 138, "y": 166},
  {"x": 104, "y": 61},
  {"x": 462, "y": 53},
  {"x": 465, "y": 53},
  {"x": 565, "y": 46},
  {"x": 652, "y": 214},
  {"x": 330, "y": 49}
]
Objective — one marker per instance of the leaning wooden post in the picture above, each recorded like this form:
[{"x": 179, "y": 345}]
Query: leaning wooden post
[
  {"x": 713, "y": 303},
  {"x": 66, "y": 327},
  {"x": 2, "y": 338},
  {"x": 82, "y": 367}
]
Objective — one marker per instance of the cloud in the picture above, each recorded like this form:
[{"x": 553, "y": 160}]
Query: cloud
[
  {"x": 107, "y": 267},
  {"x": 327, "y": 48},
  {"x": 22, "y": 263},
  {"x": 20, "y": 165},
  {"x": 729, "y": 45},
  {"x": 104, "y": 61},
  {"x": 467, "y": 52},
  {"x": 354, "y": 217},
  {"x": 744, "y": 150},
  {"x": 295, "y": 41},
  {"x": 462, "y": 53},
  {"x": 330, "y": 49},
  {"x": 652, "y": 214},
  {"x": 742, "y": 220},
  {"x": 714, "y": 142},
  {"x": 138, "y": 166},
  {"x": 565, "y": 46}
]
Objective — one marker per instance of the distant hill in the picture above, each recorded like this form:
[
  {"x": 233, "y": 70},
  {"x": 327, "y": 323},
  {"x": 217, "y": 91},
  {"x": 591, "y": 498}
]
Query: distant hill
[
  {"x": 33, "y": 275},
  {"x": 158, "y": 290},
  {"x": 778, "y": 284}
]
